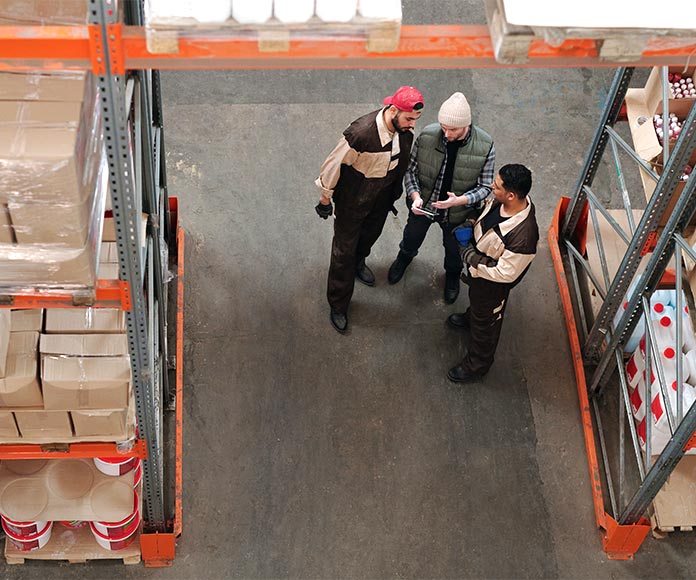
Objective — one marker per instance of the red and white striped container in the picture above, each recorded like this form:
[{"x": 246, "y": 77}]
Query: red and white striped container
[
  {"x": 113, "y": 530},
  {"x": 29, "y": 543},
  {"x": 138, "y": 476},
  {"x": 116, "y": 466},
  {"x": 22, "y": 529},
  {"x": 117, "y": 542}
]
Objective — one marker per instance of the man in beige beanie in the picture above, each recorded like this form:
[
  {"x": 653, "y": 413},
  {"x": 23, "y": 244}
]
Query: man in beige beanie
[{"x": 450, "y": 172}]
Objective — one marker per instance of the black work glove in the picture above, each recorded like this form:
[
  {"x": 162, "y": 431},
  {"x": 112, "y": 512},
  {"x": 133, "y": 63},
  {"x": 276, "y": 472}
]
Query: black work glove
[{"x": 324, "y": 211}]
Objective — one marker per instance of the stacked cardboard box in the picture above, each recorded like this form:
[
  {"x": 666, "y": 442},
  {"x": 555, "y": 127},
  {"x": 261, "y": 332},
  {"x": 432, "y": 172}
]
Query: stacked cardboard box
[
  {"x": 108, "y": 254},
  {"x": 641, "y": 106},
  {"x": 65, "y": 375},
  {"x": 34, "y": 12},
  {"x": 53, "y": 181}
]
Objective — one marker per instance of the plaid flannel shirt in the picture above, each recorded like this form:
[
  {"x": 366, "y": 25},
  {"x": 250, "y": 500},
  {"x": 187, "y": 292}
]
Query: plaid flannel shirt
[{"x": 475, "y": 195}]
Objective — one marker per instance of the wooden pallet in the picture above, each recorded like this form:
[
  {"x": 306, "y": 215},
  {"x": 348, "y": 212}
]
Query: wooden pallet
[
  {"x": 273, "y": 36},
  {"x": 74, "y": 545},
  {"x": 674, "y": 508}
]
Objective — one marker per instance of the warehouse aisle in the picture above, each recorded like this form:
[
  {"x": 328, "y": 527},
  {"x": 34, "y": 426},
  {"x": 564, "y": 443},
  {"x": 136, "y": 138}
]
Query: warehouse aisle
[{"x": 315, "y": 455}]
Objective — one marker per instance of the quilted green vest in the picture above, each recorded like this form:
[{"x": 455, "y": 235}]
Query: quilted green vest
[{"x": 467, "y": 167}]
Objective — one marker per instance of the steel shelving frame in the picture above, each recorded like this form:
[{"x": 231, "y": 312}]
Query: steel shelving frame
[
  {"x": 598, "y": 339},
  {"x": 131, "y": 107},
  {"x": 110, "y": 48}
]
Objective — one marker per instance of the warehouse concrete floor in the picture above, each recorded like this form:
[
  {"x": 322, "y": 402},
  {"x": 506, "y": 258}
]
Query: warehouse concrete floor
[{"x": 314, "y": 455}]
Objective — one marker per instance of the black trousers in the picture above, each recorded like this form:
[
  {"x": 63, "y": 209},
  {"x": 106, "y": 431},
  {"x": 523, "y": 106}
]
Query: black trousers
[
  {"x": 356, "y": 229},
  {"x": 487, "y": 303},
  {"x": 414, "y": 233}
]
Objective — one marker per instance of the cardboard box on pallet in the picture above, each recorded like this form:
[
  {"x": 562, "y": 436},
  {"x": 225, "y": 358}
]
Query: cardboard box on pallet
[
  {"x": 43, "y": 86},
  {"x": 85, "y": 320},
  {"x": 8, "y": 427},
  {"x": 85, "y": 371},
  {"x": 47, "y": 164},
  {"x": 56, "y": 224},
  {"x": 35, "y": 12},
  {"x": 84, "y": 345},
  {"x": 76, "y": 383},
  {"x": 108, "y": 423},
  {"x": 5, "y": 326},
  {"x": 639, "y": 104},
  {"x": 20, "y": 387},
  {"x": 43, "y": 425},
  {"x": 6, "y": 233},
  {"x": 27, "y": 319},
  {"x": 653, "y": 92},
  {"x": 53, "y": 264},
  {"x": 109, "y": 252}
]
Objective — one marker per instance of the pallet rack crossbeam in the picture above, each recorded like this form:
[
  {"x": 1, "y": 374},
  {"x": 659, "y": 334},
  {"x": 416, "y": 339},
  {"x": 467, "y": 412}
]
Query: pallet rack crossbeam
[{"x": 420, "y": 46}]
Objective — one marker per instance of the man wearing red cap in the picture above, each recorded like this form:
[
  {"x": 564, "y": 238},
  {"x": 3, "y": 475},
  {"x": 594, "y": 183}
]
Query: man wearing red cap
[{"x": 363, "y": 177}]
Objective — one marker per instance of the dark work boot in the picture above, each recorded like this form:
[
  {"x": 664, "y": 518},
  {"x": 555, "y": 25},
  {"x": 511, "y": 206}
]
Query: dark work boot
[
  {"x": 339, "y": 321},
  {"x": 459, "y": 321},
  {"x": 459, "y": 375},
  {"x": 398, "y": 267},
  {"x": 451, "y": 287},
  {"x": 364, "y": 274}
]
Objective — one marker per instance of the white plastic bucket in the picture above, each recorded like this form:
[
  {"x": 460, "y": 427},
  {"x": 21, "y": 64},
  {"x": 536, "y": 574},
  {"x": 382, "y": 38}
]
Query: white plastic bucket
[
  {"x": 23, "y": 529},
  {"x": 119, "y": 542},
  {"x": 113, "y": 530},
  {"x": 115, "y": 465},
  {"x": 29, "y": 543}
]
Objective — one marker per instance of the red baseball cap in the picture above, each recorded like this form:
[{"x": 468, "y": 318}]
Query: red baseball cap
[{"x": 407, "y": 99}]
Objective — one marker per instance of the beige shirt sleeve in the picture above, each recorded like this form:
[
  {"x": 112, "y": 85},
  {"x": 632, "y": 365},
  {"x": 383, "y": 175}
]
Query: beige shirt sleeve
[
  {"x": 509, "y": 267},
  {"x": 343, "y": 154}
]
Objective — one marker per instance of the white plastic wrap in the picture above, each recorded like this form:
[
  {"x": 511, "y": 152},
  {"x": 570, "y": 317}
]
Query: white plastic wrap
[
  {"x": 34, "y": 12},
  {"x": 53, "y": 181},
  {"x": 295, "y": 18}
]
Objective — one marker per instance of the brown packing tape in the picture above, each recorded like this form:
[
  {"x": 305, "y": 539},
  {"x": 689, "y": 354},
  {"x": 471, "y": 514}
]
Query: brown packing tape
[
  {"x": 83, "y": 399},
  {"x": 85, "y": 382}
]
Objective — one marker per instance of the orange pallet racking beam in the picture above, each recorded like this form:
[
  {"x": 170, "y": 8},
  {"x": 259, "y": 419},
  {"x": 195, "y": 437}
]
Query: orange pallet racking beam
[
  {"x": 620, "y": 542},
  {"x": 72, "y": 450},
  {"x": 107, "y": 294},
  {"x": 420, "y": 46}
]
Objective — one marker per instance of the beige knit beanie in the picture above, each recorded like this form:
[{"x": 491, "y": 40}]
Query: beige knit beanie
[{"x": 455, "y": 111}]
